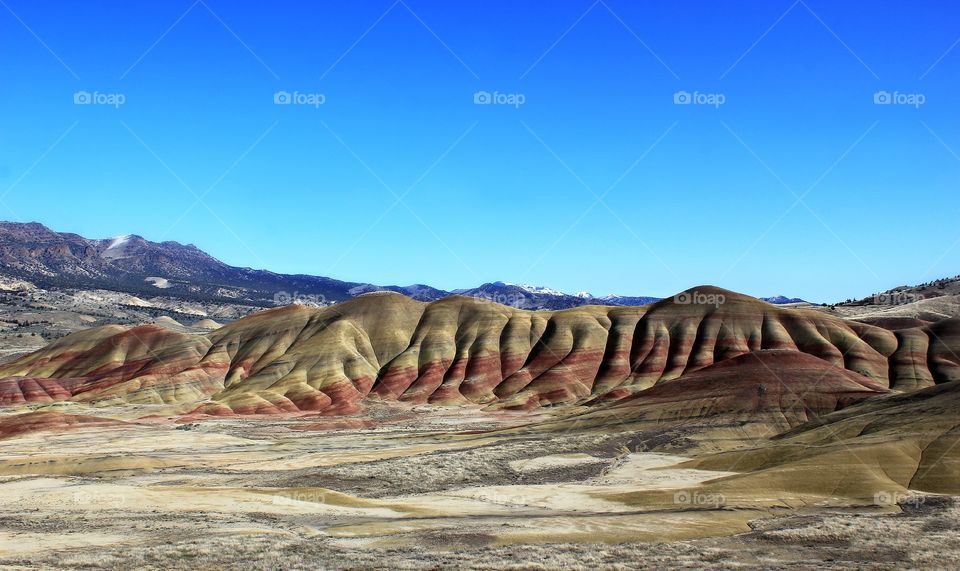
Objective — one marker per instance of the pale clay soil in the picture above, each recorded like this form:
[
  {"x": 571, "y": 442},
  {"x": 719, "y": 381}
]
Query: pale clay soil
[{"x": 415, "y": 491}]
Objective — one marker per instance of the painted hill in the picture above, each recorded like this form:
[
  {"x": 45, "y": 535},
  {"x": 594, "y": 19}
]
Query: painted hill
[
  {"x": 462, "y": 350},
  {"x": 781, "y": 387},
  {"x": 882, "y": 447}
]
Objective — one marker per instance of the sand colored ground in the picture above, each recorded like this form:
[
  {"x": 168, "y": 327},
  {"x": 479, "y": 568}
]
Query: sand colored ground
[
  {"x": 422, "y": 487},
  {"x": 461, "y": 433}
]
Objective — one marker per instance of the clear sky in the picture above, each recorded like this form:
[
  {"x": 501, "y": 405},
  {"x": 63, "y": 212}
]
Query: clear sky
[{"x": 782, "y": 175}]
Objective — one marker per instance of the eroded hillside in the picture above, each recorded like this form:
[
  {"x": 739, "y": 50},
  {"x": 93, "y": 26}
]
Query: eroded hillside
[{"x": 463, "y": 350}]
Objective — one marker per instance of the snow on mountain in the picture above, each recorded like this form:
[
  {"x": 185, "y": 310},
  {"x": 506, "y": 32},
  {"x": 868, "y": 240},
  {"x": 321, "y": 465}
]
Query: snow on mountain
[
  {"x": 781, "y": 300},
  {"x": 119, "y": 241},
  {"x": 131, "y": 264},
  {"x": 536, "y": 289},
  {"x": 117, "y": 247}
]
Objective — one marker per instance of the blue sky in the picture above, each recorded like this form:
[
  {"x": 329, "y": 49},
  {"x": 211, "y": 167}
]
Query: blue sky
[{"x": 782, "y": 176}]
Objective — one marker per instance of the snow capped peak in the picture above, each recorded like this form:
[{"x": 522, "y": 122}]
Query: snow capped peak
[
  {"x": 538, "y": 289},
  {"x": 555, "y": 298},
  {"x": 541, "y": 290},
  {"x": 117, "y": 248},
  {"x": 782, "y": 300},
  {"x": 119, "y": 241}
]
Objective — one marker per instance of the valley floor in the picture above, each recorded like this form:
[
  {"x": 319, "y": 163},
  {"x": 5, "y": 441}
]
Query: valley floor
[{"x": 398, "y": 488}]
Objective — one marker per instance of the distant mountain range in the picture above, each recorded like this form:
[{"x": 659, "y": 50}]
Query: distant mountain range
[
  {"x": 132, "y": 264},
  {"x": 782, "y": 300}
]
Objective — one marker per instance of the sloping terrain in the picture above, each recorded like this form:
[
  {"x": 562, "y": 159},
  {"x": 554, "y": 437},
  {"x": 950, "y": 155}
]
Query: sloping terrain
[
  {"x": 906, "y": 306},
  {"x": 454, "y": 486},
  {"x": 709, "y": 426},
  {"x": 879, "y": 452},
  {"x": 134, "y": 265},
  {"x": 461, "y": 350},
  {"x": 779, "y": 388},
  {"x": 906, "y": 442},
  {"x": 44, "y": 259},
  {"x": 31, "y": 317}
]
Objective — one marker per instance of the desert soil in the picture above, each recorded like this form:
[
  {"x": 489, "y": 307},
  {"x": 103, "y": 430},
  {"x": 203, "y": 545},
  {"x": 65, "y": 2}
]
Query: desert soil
[{"x": 412, "y": 488}]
